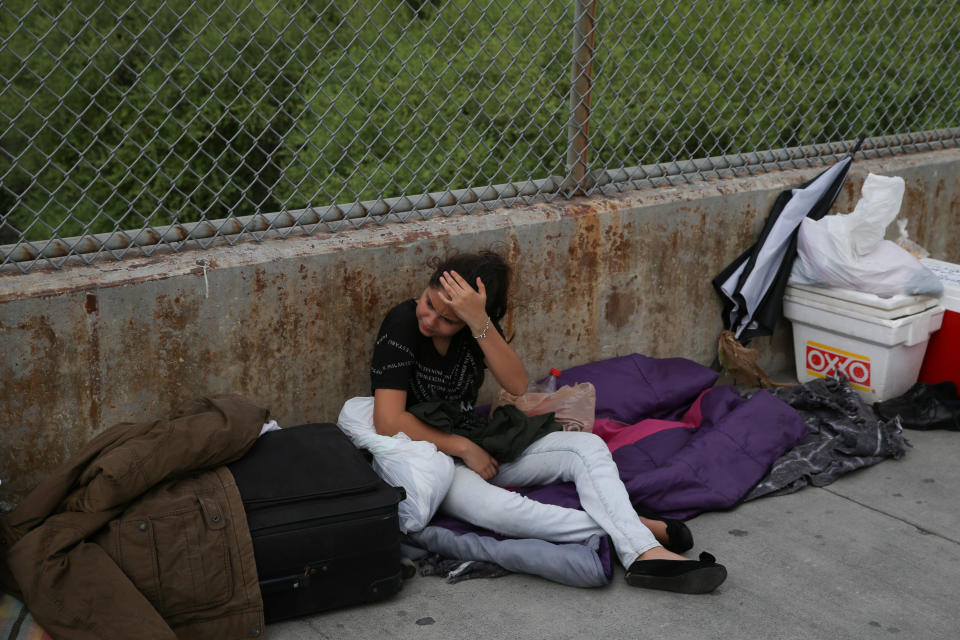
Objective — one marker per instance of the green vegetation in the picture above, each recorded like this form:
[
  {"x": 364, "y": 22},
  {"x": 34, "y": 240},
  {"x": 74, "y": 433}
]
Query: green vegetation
[{"x": 119, "y": 114}]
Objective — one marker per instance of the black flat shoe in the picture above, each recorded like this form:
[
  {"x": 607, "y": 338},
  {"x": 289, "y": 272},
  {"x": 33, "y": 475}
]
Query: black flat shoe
[
  {"x": 680, "y": 576},
  {"x": 679, "y": 537}
]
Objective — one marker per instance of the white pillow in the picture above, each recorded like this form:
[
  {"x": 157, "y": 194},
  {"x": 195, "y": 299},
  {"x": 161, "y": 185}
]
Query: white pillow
[{"x": 416, "y": 465}]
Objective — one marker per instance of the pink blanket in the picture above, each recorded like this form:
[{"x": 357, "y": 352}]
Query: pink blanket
[{"x": 616, "y": 434}]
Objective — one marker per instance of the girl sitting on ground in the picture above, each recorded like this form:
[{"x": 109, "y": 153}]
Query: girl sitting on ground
[{"x": 436, "y": 348}]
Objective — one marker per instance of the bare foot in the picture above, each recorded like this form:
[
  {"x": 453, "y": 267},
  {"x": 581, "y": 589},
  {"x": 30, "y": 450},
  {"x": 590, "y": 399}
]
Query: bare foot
[
  {"x": 659, "y": 553},
  {"x": 658, "y": 528}
]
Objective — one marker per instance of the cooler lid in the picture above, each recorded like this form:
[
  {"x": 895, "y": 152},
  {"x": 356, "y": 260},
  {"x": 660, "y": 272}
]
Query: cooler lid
[
  {"x": 861, "y": 302},
  {"x": 949, "y": 275}
]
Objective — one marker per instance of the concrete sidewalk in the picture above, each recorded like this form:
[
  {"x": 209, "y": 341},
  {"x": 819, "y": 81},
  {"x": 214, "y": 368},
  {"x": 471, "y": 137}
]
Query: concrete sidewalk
[{"x": 874, "y": 555}]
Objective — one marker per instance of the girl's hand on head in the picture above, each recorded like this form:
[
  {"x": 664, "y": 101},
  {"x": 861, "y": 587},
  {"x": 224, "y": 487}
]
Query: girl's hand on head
[{"x": 468, "y": 303}]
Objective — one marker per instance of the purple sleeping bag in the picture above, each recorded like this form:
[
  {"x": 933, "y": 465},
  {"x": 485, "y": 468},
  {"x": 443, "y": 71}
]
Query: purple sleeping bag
[{"x": 682, "y": 471}]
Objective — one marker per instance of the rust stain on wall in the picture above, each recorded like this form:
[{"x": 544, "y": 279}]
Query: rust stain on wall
[
  {"x": 33, "y": 378},
  {"x": 619, "y": 308},
  {"x": 259, "y": 281},
  {"x": 94, "y": 374},
  {"x": 914, "y": 198},
  {"x": 167, "y": 341},
  {"x": 581, "y": 281},
  {"x": 513, "y": 255},
  {"x": 40, "y": 368},
  {"x": 619, "y": 250}
]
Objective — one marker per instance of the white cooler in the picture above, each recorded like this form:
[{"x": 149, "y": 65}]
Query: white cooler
[{"x": 877, "y": 343}]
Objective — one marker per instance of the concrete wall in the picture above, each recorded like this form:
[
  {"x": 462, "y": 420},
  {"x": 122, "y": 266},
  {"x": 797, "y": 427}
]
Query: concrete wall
[{"x": 290, "y": 323}]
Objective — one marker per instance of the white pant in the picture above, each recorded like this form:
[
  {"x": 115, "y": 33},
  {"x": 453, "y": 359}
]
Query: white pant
[{"x": 581, "y": 458}]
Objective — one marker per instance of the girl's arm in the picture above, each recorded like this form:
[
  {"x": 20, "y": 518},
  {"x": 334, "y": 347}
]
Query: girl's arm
[
  {"x": 470, "y": 306},
  {"x": 390, "y": 417},
  {"x": 501, "y": 359}
]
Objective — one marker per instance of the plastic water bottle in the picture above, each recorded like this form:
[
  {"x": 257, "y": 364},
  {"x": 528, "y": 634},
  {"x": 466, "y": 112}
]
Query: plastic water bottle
[{"x": 547, "y": 385}]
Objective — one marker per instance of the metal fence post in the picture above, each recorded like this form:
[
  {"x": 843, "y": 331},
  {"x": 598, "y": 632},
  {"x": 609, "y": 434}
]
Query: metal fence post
[{"x": 581, "y": 83}]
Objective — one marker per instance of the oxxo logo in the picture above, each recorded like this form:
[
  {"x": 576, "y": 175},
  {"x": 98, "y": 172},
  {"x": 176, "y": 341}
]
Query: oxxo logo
[{"x": 824, "y": 361}]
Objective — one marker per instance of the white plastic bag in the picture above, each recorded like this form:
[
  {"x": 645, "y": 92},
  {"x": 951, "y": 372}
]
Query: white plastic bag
[
  {"x": 416, "y": 465},
  {"x": 848, "y": 250}
]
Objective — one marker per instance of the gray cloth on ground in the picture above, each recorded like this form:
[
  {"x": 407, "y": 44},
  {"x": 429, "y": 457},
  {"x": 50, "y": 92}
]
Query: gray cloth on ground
[
  {"x": 459, "y": 570},
  {"x": 844, "y": 436},
  {"x": 577, "y": 565}
]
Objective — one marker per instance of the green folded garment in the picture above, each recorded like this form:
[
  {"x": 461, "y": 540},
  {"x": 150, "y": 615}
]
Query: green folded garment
[{"x": 508, "y": 432}]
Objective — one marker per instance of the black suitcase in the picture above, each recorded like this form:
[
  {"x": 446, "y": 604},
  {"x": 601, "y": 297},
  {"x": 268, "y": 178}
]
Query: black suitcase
[{"x": 324, "y": 524}]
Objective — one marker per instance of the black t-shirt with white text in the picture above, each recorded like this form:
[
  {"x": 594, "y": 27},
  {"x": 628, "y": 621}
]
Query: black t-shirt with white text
[{"x": 405, "y": 359}]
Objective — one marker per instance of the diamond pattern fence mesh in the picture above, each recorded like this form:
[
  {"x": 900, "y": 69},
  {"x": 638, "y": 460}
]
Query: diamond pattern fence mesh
[{"x": 128, "y": 127}]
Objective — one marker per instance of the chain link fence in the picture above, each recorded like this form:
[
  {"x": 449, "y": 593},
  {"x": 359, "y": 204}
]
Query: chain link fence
[{"x": 137, "y": 126}]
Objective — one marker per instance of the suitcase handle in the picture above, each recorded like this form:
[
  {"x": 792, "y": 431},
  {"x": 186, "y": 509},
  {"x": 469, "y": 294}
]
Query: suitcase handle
[
  {"x": 302, "y": 581},
  {"x": 284, "y": 584},
  {"x": 297, "y": 581}
]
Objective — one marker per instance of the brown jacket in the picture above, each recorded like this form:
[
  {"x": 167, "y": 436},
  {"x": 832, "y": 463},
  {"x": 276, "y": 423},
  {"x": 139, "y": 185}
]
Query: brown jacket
[{"x": 142, "y": 533}]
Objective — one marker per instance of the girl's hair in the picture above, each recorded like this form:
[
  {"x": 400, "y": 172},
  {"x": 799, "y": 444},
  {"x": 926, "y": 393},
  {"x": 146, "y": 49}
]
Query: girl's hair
[{"x": 489, "y": 266}]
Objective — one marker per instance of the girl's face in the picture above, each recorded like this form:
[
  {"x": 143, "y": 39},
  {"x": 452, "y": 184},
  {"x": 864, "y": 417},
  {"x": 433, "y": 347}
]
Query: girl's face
[{"x": 435, "y": 317}]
